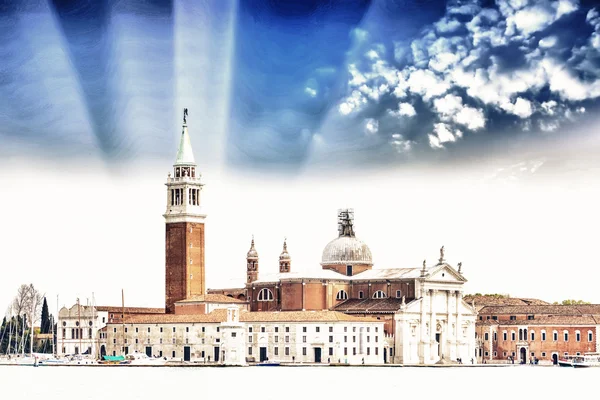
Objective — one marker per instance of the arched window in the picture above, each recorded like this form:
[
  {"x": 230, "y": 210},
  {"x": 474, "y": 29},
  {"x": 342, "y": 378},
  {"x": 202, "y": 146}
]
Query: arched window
[
  {"x": 379, "y": 295},
  {"x": 341, "y": 295},
  {"x": 566, "y": 334},
  {"x": 577, "y": 336},
  {"x": 532, "y": 335},
  {"x": 590, "y": 336},
  {"x": 555, "y": 336},
  {"x": 265, "y": 295}
]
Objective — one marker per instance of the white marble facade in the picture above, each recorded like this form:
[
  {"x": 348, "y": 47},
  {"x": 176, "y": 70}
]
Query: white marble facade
[{"x": 438, "y": 326}]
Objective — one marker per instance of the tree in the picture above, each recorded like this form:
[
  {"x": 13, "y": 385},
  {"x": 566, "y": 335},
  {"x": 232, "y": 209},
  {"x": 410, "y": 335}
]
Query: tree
[
  {"x": 571, "y": 302},
  {"x": 45, "y": 327},
  {"x": 27, "y": 306}
]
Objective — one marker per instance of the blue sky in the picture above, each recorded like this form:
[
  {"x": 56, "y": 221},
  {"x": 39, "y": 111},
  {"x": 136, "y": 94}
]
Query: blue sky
[{"x": 283, "y": 85}]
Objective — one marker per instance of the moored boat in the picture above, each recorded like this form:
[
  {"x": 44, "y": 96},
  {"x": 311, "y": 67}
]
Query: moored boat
[{"x": 580, "y": 361}]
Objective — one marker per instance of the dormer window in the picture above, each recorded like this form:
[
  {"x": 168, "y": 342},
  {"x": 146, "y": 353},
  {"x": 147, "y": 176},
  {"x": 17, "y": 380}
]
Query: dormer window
[{"x": 349, "y": 270}]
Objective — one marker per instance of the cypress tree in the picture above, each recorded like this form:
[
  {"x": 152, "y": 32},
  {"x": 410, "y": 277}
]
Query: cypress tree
[{"x": 45, "y": 328}]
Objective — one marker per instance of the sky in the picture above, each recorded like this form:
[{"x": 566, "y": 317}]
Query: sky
[{"x": 469, "y": 124}]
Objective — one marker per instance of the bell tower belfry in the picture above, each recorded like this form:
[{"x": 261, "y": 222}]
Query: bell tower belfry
[
  {"x": 252, "y": 263},
  {"x": 184, "y": 218}
]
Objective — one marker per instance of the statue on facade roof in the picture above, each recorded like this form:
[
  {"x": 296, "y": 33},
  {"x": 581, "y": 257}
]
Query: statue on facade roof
[
  {"x": 442, "y": 254},
  {"x": 459, "y": 267},
  {"x": 424, "y": 263},
  {"x": 185, "y": 113}
]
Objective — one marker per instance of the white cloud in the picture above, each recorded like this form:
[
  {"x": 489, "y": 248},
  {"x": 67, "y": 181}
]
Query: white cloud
[
  {"x": 549, "y": 126},
  {"x": 472, "y": 118},
  {"x": 521, "y": 107},
  {"x": 371, "y": 126},
  {"x": 446, "y": 25},
  {"x": 353, "y": 103},
  {"x": 400, "y": 144},
  {"x": 427, "y": 84},
  {"x": 448, "y": 104},
  {"x": 548, "y": 42},
  {"x": 311, "y": 92},
  {"x": 372, "y": 54},
  {"x": 406, "y": 109},
  {"x": 442, "y": 134},
  {"x": 549, "y": 107}
]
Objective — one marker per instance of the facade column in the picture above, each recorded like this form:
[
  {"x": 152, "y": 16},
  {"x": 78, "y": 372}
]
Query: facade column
[
  {"x": 459, "y": 338},
  {"x": 303, "y": 295},
  {"x": 423, "y": 353},
  {"x": 432, "y": 323}
]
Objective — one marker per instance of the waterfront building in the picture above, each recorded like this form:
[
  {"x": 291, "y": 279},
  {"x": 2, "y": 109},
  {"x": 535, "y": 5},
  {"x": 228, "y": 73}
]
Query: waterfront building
[
  {"x": 544, "y": 332},
  {"x": 234, "y": 337}
]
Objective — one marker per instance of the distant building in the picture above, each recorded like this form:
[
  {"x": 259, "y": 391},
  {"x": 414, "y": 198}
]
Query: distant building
[{"x": 544, "y": 332}]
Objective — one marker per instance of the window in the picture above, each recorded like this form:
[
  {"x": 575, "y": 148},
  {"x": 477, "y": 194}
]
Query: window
[
  {"x": 287, "y": 328},
  {"x": 354, "y": 339},
  {"x": 345, "y": 351},
  {"x": 486, "y": 337},
  {"x": 532, "y": 354},
  {"x": 303, "y": 329},
  {"x": 566, "y": 336},
  {"x": 114, "y": 330},
  {"x": 125, "y": 330},
  {"x": 398, "y": 294},
  {"x": 265, "y": 295},
  {"x": 114, "y": 341},
  {"x": 543, "y": 354},
  {"x": 513, "y": 336},
  {"x": 577, "y": 336},
  {"x": 495, "y": 317},
  {"x": 341, "y": 295},
  {"x": 345, "y": 329},
  {"x": 303, "y": 339},
  {"x": 287, "y": 351},
  {"x": 276, "y": 351},
  {"x": 318, "y": 329},
  {"x": 148, "y": 330},
  {"x": 330, "y": 339},
  {"x": 376, "y": 338},
  {"x": 376, "y": 351},
  {"x": 353, "y": 329},
  {"x": 276, "y": 338},
  {"x": 379, "y": 295},
  {"x": 349, "y": 270},
  {"x": 495, "y": 354},
  {"x": 250, "y": 339},
  {"x": 249, "y": 351},
  {"x": 504, "y": 354},
  {"x": 173, "y": 329},
  {"x": 204, "y": 329},
  {"x": 276, "y": 329},
  {"x": 136, "y": 341},
  {"x": 555, "y": 336},
  {"x": 361, "y": 294},
  {"x": 173, "y": 340},
  {"x": 590, "y": 336},
  {"x": 368, "y": 339},
  {"x": 250, "y": 329},
  {"x": 354, "y": 351},
  {"x": 187, "y": 329},
  {"x": 331, "y": 329},
  {"x": 161, "y": 329},
  {"x": 218, "y": 329},
  {"x": 331, "y": 351},
  {"x": 234, "y": 334},
  {"x": 513, "y": 317},
  {"x": 368, "y": 351},
  {"x": 532, "y": 336},
  {"x": 304, "y": 351},
  {"x": 543, "y": 336},
  {"x": 262, "y": 329},
  {"x": 530, "y": 317},
  {"x": 487, "y": 354}
]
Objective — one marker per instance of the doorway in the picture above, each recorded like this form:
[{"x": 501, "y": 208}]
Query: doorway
[
  {"x": 554, "y": 358},
  {"x": 385, "y": 355},
  {"x": 523, "y": 353},
  {"x": 216, "y": 354},
  {"x": 263, "y": 354},
  {"x": 149, "y": 351},
  {"x": 186, "y": 353},
  {"x": 317, "y": 354},
  {"x": 102, "y": 351},
  {"x": 438, "y": 337}
]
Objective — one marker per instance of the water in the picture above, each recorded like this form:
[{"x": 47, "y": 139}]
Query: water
[{"x": 265, "y": 383}]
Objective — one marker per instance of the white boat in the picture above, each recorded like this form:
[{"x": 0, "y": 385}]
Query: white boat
[
  {"x": 137, "y": 358},
  {"x": 582, "y": 361},
  {"x": 18, "y": 360}
]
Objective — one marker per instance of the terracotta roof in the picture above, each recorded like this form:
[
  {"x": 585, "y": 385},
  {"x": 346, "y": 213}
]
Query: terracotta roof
[
  {"x": 549, "y": 309},
  {"x": 220, "y": 315},
  {"x": 131, "y": 310},
  {"x": 586, "y": 320},
  {"x": 387, "y": 305},
  {"x": 482, "y": 301},
  {"x": 211, "y": 298}
]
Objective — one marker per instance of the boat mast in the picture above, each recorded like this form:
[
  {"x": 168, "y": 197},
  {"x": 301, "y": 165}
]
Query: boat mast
[
  {"x": 123, "y": 319},
  {"x": 79, "y": 326}
]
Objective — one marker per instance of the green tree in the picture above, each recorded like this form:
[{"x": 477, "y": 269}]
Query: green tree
[
  {"x": 571, "y": 302},
  {"x": 45, "y": 325}
]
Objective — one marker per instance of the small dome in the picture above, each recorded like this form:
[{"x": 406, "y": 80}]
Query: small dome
[
  {"x": 284, "y": 254},
  {"x": 346, "y": 250},
  {"x": 252, "y": 253}
]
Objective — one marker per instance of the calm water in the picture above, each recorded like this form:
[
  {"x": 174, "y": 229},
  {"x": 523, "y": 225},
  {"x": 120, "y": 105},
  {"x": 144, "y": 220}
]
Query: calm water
[{"x": 264, "y": 383}]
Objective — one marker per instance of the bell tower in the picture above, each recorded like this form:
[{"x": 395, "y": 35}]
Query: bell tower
[
  {"x": 184, "y": 218},
  {"x": 252, "y": 263},
  {"x": 284, "y": 259}
]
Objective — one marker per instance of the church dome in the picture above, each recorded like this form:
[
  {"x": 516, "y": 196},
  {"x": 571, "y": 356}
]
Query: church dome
[
  {"x": 346, "y": 250},
  {"x": 284, "y": 254}
]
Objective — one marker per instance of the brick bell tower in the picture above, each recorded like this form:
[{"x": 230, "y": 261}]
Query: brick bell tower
[
  {"x": 252, "y": 263},
  {"x": 184, "y": 252}
]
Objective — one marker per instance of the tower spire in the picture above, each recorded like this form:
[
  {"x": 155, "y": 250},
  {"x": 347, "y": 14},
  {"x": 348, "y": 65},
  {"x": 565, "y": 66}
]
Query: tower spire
[
  {"x": 284, "y": 258},
  {"x": 185, "y": 155}
]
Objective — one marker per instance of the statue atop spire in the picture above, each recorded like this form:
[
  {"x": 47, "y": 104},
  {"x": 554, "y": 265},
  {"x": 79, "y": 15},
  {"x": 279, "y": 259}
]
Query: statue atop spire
[
  {"x": 185, "y": 113},
  {"x": 185, "y": 155},
  {"x": 346, "y": 222},
  {"x": 284, "y": 258}
]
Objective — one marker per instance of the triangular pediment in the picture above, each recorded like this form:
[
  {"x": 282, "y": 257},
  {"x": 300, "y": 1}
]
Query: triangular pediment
[{"x": 444, "y": 273}]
